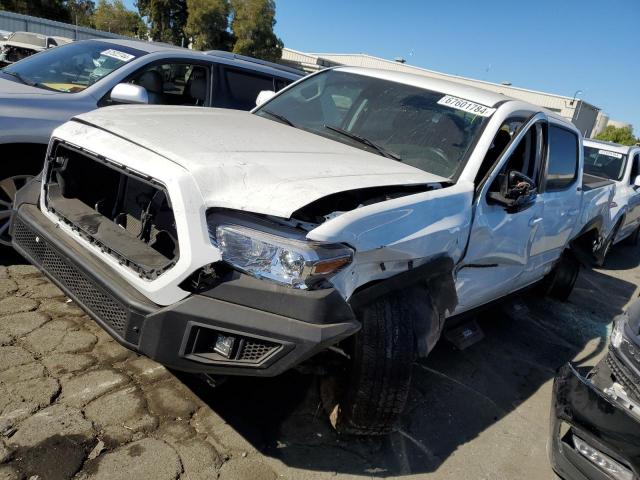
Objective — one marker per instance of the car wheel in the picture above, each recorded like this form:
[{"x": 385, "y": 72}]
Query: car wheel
[
  {"x": 560, "y": 281},
  {"x": 376, "y": 386},
  {"x": 8, "y": 188}
]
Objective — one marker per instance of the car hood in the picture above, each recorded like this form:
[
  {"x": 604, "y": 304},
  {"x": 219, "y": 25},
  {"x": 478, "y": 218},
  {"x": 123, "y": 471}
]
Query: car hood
[
  {"x": 11, "y": 89},
  {"x": 245, "y": 162}
]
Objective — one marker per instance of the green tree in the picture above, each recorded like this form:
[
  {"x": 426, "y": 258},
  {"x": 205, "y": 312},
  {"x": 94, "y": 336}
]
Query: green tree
[
  {"x": 252, "y": 26},
  {"x": 166, "y": 18},
  {"x": 113, "y": 16},
  {"x": 208, "y": 24},
  {"x": 81, "y": 12},
  {"x": 623, "y": 136},
  {"x": 51, "y": 9}
]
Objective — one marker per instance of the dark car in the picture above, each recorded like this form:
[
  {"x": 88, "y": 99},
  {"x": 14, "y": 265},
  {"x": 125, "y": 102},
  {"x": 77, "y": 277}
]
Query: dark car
[{"x": 595, "y": 418}]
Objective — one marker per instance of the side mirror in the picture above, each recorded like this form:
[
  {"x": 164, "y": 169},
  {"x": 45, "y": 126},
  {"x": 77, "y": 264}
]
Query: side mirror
[
  {"x": 517, "y": 192},
  {"x": 129, "y": 93},
  {"x": 636, "y": 181},
  {"x": 264, "y": 96}
]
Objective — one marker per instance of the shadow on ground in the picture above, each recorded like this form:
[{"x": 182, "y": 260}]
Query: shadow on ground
[{"x": 457, "y": 396}]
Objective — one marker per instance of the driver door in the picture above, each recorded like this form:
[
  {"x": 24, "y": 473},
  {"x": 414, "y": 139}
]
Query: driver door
[{"x": 501, "y": 253}]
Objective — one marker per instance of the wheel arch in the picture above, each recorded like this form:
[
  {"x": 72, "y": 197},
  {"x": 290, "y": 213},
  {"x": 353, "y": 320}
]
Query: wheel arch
[
  {"x": 31, "y": 157},
  {"x": 436, "y": 279}
]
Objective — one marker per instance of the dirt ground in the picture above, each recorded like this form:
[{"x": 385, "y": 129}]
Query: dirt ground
[{"x": 74, "y": 404}]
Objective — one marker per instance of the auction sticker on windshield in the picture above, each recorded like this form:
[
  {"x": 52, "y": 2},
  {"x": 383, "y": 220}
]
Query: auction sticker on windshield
[
  {"x": 609, "y": 154},
  {"x": 118, "y": 55},
  {"x": 466, "y": 106}
]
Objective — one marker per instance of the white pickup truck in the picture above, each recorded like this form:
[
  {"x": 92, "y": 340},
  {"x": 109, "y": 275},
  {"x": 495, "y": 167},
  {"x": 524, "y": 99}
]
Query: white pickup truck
[
  {"x": 620, "y": 164},
  {"x": 357, "y": 209}
]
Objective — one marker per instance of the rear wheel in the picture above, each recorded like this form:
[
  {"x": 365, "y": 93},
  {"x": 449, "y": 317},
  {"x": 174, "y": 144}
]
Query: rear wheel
[
  {"x": 8, "y": 188},
  {"x": 377, "y": 384},
  {"x": 560, "y": 281}
]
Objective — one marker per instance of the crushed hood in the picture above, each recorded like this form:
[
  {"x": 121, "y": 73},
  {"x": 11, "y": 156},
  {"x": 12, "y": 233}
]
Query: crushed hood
[{"x": 244, "y": 162}]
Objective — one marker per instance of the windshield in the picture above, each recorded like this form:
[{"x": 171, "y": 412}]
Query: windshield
[
  {"x": 29, "y": 38},
  {"x": 72, "y": 68},
  {"x": 428, "y": 130},
  {"x": 604, "y": 163}
]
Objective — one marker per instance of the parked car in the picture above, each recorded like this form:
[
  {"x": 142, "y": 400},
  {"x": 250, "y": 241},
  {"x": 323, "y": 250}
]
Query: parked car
[
  {"x": 357, "y": 209},
  {"x": 41, "y": 92},
  {"x": 19, "y": 45},
  {"x": 620, "y": 164},
  {"x": 595, "y": 418}
]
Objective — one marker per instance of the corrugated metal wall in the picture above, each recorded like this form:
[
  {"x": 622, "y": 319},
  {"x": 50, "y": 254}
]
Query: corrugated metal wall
[{"x": 14, "y": 22}]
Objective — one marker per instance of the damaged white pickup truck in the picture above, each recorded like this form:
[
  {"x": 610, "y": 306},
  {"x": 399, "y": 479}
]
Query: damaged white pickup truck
[{"x": 356, "y": 209}]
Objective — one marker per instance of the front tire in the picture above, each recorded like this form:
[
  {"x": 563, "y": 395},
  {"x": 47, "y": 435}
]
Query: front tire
[
  {"x": 379, "y": 377},
  {"x": 560, "y": 281}
]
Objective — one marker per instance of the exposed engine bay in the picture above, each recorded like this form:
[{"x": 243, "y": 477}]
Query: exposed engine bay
[
  {"x": 11, "y": 54},
  {"x": 124, "y": 213}
]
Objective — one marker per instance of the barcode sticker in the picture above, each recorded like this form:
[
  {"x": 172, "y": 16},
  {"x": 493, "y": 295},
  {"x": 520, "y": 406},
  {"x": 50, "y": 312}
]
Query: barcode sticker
[
  {"x": 609, "y": 154},
  {"x": 466, "y": 106},
  {"x": 118, "y": 55}
]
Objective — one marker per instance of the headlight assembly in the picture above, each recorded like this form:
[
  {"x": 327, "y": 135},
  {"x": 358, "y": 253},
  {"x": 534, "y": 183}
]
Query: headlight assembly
[{"x": 293, "y": 262}]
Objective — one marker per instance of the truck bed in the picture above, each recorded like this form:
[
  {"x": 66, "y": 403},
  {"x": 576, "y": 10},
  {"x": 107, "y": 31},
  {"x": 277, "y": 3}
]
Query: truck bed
[{"x": 591, "y": 182}]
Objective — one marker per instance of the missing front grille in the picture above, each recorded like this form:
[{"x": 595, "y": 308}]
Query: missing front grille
[{"x": 127, "y": 216}]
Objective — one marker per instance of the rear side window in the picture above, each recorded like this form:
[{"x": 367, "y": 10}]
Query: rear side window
[
  {"x": 562, "y": 160},
  {"x": 244, "y": 87}
]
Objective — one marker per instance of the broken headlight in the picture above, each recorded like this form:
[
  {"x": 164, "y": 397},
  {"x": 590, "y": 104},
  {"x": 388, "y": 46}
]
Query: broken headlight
[{"x": 293, "y": 262}]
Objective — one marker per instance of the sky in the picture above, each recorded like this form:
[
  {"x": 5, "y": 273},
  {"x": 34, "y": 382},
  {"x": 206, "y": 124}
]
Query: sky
[{"x": 556, "y": 46}]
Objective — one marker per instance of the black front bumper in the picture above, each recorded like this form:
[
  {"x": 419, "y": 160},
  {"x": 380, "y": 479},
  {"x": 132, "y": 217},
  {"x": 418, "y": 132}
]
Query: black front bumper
[
  {"x": 581, "y": 409},
  {"x": 274, "y": 327}
]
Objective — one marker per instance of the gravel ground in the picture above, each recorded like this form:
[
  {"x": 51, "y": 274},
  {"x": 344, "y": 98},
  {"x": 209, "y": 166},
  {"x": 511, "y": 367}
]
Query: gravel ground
[{"x": 75, "y": 404}]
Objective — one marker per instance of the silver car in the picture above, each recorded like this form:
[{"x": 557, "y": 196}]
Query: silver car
[{"x": 43, "y": 91}]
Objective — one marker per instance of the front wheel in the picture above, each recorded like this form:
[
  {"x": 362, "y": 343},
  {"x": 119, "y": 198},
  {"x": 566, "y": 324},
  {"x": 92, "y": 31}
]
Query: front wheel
[
  {"x": 8, "y": 188},
  {"x": 379, "y": 377},
  {"x": 560, "y": 281}
]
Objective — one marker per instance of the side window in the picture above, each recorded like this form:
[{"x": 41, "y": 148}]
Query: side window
[
  {"x": 498, "y": 145},
  {"x": 280, "y": 83},
  {"x": 523, "y": 158},
  {"x": 244, "y": 87},
  {"x": 562, "y": 159},
  {"x": 174, "y": 84},
  {"x": 635, "y": 168}
]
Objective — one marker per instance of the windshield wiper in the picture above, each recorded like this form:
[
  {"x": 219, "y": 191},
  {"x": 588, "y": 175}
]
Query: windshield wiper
[
  {"x": 365, "y": 141},
  {"x": 277, "y": 116}
]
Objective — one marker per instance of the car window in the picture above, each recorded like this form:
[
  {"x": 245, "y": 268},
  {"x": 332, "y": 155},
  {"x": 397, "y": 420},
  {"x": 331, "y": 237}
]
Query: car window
[
  {"x": 562, "y": 158},
  {"x": 244, "y": 87},
  {"x": 635, "y": 168},
  {"x": 73, "y": 67},
  {"x": 523, "y": 158},
  {"x": 604, "y": 163},
  {"x": 175, "y": 84}
]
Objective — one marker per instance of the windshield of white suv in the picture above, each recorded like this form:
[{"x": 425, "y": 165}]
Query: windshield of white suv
[
  {"x": 604, "y": 163},
  {"x": 428, "y": 130},
  {"x": 72, "y": 68}
]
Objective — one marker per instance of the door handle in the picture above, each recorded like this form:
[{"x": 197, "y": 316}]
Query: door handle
[{"x": 534, "y": 220}]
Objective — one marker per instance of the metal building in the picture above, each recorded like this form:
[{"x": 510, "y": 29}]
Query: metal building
[
  {"x": 581, "y": 113},
  {"x": 16, "y": 22}
]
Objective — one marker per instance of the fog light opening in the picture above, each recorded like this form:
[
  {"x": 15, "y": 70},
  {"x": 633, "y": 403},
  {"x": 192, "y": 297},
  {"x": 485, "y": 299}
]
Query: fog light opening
[{"x": 602, "y": 461}]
